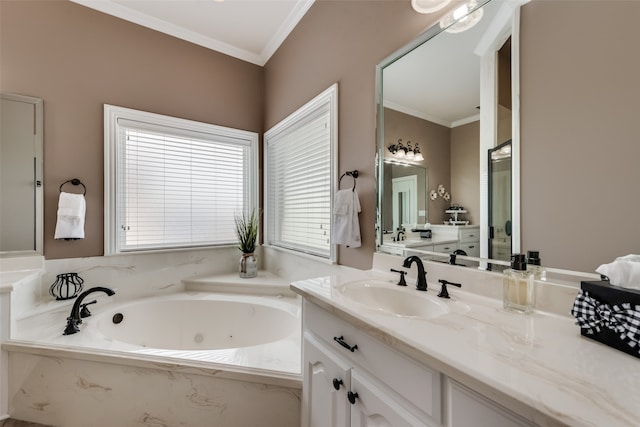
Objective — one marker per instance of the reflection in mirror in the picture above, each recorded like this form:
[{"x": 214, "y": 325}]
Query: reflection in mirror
[
  {"x": 407, "y": 199},
  {"x": 500, "y": 202},
  {"x": 431, "y": 94},
  {"x": 21, "y": 175}
]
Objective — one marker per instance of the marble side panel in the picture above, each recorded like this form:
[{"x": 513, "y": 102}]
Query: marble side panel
[{"x": 77, "y": 393}]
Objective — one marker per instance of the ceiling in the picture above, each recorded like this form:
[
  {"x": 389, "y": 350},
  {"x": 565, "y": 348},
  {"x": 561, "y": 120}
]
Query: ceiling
[{"x": 251, "y": 30}]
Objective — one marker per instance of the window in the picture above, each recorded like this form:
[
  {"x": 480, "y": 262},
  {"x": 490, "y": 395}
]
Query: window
[
  {"x": 174, "y": 183},
  {"x": 299, "y": 155}
]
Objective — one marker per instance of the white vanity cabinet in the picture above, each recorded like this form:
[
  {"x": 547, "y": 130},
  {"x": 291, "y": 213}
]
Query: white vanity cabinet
[
  {"x": 374, "y": 385},
  {"x": 354, "y": 379}
]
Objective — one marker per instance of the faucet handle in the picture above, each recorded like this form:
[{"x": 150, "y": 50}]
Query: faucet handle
[
  {"x": 84, "y": 312},
  {"x": 443, "y": 291},
  {"x": 402, "y": 282},
  {"x": 72, "y": 326}
]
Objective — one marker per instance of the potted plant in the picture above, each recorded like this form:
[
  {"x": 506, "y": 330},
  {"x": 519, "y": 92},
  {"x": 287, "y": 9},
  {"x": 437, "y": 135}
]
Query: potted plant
[{"x": 247, "y": 232}]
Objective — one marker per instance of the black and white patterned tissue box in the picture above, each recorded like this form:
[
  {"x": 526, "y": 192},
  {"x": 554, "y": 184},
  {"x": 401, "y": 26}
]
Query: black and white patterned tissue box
[{"x": 609, "y": 314}]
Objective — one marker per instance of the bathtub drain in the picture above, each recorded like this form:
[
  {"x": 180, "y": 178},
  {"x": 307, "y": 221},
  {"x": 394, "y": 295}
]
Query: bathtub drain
[{"x": 117, "y": 318}]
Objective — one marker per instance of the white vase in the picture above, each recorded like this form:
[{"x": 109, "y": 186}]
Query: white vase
[{"x": 248, "y": 266}]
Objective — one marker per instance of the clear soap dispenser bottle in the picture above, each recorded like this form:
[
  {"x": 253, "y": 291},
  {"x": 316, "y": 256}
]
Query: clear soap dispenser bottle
[{"x": 518, "y": 291}]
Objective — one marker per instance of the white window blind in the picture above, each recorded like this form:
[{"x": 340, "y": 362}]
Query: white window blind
[
  {"x": 299, "y": 154},
  {"x": 177, "y": 184}
]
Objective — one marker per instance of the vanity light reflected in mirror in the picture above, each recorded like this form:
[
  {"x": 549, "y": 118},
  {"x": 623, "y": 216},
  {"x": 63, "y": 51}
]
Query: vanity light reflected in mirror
[{"x": 400, "y": 151}]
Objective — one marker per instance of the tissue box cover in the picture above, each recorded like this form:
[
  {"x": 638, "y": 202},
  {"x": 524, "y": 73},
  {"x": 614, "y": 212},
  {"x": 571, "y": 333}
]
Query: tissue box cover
[{"x": 606, "y": 293}]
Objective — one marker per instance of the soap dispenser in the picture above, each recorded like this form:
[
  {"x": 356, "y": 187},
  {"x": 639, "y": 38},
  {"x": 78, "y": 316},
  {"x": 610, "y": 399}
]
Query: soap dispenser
[
  {"x": 533, "y": 265},
  {"x": 518, "y": 291}
]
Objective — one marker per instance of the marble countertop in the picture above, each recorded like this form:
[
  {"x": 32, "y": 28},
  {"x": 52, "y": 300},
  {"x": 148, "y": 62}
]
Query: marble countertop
[{"x": 537, "y": 365}]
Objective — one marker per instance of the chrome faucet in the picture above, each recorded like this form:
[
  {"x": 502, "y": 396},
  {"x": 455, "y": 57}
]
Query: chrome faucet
[
  {"x": 75, "y": 317},
  {"x": 421, "y": 283}
]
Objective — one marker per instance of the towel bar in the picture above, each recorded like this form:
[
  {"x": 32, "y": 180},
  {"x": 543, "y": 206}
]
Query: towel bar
[
  {"x": 354, "y": 174},
  {"x": 74, "y": 181}
]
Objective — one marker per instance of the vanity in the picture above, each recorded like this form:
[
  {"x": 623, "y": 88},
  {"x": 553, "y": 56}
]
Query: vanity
[
  {"x": 445, "y": 239},
  {"x": 375, "y": 353}
]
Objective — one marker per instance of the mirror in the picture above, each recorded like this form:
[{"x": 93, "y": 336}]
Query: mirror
[
  {"x": 21, "y": 141},
  {"x": 431, "y": 98},
  {"x": 407, "y": 187}
]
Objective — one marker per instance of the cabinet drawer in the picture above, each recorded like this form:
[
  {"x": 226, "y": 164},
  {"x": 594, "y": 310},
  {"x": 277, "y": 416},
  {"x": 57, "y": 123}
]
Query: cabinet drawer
[
  {"x": 445, "y": 247},
  {"x": 414, "y": 382},
  {"x": 470, "y": 248},
  {"x": 472, "y": 235}
]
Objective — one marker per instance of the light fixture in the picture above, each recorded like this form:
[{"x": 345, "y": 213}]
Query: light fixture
[
  {"x": 462, "y": 18},
  {"x": 428, "y": 6},
  {"x": 401, "y": 152}
]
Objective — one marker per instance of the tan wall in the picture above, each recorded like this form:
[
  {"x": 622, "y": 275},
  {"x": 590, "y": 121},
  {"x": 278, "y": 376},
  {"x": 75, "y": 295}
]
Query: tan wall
[
  {"x": 342, "y": 41},
  {"x": 77, "y": 59},
  {"x": 580, "y": 147},
  {"x": 465, "y": 169}
]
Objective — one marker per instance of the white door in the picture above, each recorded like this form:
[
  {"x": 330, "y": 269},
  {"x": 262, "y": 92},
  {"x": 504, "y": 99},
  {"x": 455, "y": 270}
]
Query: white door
[{"x": 325, "y": 386}]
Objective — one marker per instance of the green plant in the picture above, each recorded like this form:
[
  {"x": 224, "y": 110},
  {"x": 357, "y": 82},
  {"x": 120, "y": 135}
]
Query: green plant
[{"x": 247, "y": 231}]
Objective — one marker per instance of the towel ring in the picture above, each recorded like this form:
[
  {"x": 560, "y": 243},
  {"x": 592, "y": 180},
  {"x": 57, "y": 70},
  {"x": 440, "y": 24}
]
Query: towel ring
[
  {"x": 74, "y": 181},
  {"x": 353, "y": 174}
]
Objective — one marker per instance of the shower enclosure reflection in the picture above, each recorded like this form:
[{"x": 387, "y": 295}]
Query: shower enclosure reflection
[{"x": 500, "y": 202}]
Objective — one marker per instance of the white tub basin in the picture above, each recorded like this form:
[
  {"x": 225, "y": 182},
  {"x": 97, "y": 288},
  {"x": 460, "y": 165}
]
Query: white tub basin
[
  {"x": 386, "y": 297},
  {"x": 185, "y": 323}
]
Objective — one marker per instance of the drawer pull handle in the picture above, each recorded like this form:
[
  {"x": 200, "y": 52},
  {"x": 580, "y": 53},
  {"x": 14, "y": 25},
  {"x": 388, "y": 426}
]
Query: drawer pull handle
[
  {"x": 337, "y": 383},
  {"x": 352, "y": 397},
  {"x": 340, "y": 340}
]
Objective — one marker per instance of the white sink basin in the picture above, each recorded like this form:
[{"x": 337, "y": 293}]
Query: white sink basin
[{"x": 396, "y": 300}]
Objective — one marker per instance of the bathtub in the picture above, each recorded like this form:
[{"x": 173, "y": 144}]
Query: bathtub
[{"x": 203, "y": 355}]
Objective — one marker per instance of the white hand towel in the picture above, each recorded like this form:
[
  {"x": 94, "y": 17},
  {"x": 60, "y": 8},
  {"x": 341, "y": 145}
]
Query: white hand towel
[
  {"x": 623, "y": 272},
  {"x": 71, "y": 212},
  {"x": 346, "y": 226}
]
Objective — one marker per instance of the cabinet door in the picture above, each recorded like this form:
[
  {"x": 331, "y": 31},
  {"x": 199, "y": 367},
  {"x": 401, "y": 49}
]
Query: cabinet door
[
  {"x": 468, "y": 408},
  {"x": 325, "y": 386},
  {"x": 374, "y": 407}
]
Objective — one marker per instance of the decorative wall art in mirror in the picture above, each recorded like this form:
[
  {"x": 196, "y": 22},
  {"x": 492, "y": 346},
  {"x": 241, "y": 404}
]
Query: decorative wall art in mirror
[
  {"x": 21, "y": 142},
  {"x": 450, "y": 93}
]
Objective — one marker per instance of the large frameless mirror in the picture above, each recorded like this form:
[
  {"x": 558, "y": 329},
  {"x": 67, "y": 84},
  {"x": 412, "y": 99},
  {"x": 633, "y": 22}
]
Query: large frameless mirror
[{"x": 445, "y": 103}]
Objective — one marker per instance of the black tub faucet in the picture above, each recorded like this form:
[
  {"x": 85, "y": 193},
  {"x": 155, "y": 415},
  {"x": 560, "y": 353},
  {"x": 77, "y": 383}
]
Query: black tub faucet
[
  {"x": 74, "y": 318},
  {"x": 421, "y": 283}
]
